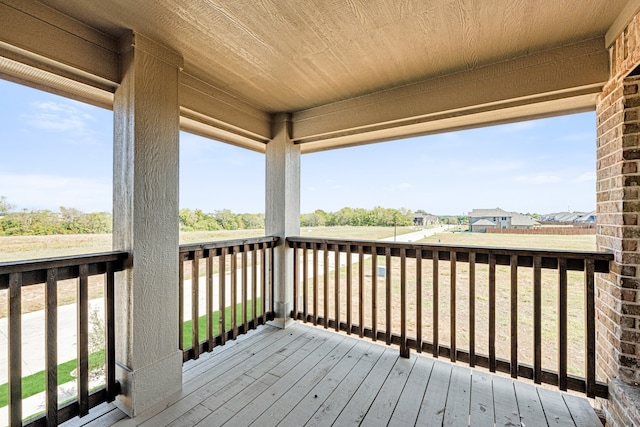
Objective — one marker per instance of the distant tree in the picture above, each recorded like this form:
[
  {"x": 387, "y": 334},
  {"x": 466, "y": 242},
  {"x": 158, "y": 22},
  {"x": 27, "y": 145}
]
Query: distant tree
[
  {"x": 251, "y": 221},
  {"x": 5, "y": 206},
  {"x": 227, "y": 220}
]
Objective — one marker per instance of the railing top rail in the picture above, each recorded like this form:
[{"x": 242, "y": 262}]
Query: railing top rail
[
  {"x": 228, "y": 243},
  {"x": 595, "y": 255},
  {"x": 60, "y": 262}
]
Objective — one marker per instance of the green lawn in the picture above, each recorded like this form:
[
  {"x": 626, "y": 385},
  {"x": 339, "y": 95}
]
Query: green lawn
[
  {"x": 202, "y": 322},
  {"x": 37, "y": 383}
]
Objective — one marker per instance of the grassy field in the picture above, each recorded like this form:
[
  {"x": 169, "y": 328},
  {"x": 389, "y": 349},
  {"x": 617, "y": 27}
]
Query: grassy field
[
  {"x": 528, "y": 241},
  {"x": 15, "y": 248}
]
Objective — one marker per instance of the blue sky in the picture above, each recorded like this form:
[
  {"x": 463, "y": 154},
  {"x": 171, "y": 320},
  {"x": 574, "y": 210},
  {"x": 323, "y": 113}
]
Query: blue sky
[{"x": 58, "y": 152}]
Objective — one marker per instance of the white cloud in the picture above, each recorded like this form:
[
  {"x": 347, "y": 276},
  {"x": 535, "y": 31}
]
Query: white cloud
[
  {"x": 538, "y": 179},
  {"x": 396, "y": 187},
  {"x": 33, "y": 191},
  {"x": 495, "y": 167},
  {"x": 518, "y": 126},
  {"x": 580, "y": 136},
  {"x": 62, "y": 117},
  {"x": 585, "y": 177}
]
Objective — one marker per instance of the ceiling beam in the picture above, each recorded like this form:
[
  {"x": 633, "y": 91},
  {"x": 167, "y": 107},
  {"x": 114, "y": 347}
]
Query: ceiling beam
[
  {"x": 227, "y": 118},
  {"x": 38, "y": 36},
  {"x": 500, "y": 92}
]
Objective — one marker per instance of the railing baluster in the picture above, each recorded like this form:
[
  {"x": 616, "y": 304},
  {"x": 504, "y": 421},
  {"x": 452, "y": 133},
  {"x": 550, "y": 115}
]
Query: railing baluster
[
  {"x": 436, "y": 301},
  {"x": 336, "y": 284},
  {"x": 15, "y": 349},
  {"x": 254, "y": 286},
  {"x": 419, "y": 300},
  {"x": 48, "y": 272},
  {"x": 315, "y": 285},
  {"x": 181, "y": 301},
  {"x": 234, "y": 292},
  {"x": 492, "y": 257},
  {"x": 296, "y": 280},
  {"x": 265, "y": 270},
  {"x": 325, "y": 289},
  {"x": 51, "y": 355},
  {"x": 110, "y": 336},
  {"x": 209, "y": 297},
  {"x": 349, "y": 279},
  {"x": 514, "y": 316},
  {"x": 562, "y": 324},
  {"x": 222, "y": 286},
  {"x": 537, "y": 319},
  {"x": 195, "y": 303},
  {"x": 305, "y": 284},
  {"x": 404, "y": 349},
  {"x": 472, "y": 309},
  {"x": 361, "y": 289},
  {"x": 387, "y": 254},
  {"x": 492, "y": 312},
  {"x": 374, "y": 293},
  {"x": 83, "y": 340},
  {"x": 590, "y": 327},
  {"x": 245, "y": 284},
  {"x": 272, "y": 264},
  {"x": 452, "y": 304}
]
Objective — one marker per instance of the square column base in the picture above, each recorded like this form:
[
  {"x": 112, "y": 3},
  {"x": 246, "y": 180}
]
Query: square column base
[{"x": 146, "y": 387}]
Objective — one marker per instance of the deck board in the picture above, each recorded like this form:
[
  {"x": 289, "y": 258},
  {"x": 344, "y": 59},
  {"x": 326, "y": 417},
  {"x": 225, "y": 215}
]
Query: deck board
[
  {"x": 435, "y": 398},
  {"x": 505, "y": 403},
  {"x": 308, "y": 376},
  {"x": 408, "y": 407},
  {"x": 555, "y": 410},
  {"x": 456, "y": 412},
  {"x": 529, "y": 405},
  {"x": 334, "y": 404},
  {"x": 383, "y": 405},
  {"x": 481, "y": 410}
]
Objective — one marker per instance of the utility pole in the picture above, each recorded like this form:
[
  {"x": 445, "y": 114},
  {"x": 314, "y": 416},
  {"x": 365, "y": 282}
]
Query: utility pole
[{"x": 395, "y": 222}]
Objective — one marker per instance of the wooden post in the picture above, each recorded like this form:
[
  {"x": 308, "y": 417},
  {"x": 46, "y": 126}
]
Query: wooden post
[
  {"x": 282, "y": 211},
  {"x": 145, "y": 215}
]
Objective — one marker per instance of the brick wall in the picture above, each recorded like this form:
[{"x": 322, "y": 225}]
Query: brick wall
[{"x": 618, "y": 230}]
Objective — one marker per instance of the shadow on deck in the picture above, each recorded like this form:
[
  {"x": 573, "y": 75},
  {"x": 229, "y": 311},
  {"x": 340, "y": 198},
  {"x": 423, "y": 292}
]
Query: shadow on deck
[{"x": 306, "y": 376}]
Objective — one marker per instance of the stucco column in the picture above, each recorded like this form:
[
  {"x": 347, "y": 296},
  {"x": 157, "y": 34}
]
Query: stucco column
[
  {"x": 282, "y": 211},
  {"x": 618, "y": 230},
  {"x": 145, "y": 212}
]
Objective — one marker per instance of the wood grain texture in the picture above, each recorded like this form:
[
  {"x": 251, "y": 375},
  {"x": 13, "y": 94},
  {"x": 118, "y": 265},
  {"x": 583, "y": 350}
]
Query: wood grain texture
[{"x": 311, "y": 376}]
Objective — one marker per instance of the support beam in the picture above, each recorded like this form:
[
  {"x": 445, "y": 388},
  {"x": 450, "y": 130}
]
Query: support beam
[
  {"x": 562, "y": 80},
  {"x": 41, "y": 37},
  {"x": 213, "y": 113},
  {"x": 145, "y": 212},
  {"x": 283, "y": 210}
]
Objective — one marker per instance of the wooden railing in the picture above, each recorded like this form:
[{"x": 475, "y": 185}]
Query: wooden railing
[
  {"x": 238, "y": 287},
  {"x": 15, "y": 277},
  {"x": 481, "y": 306}
]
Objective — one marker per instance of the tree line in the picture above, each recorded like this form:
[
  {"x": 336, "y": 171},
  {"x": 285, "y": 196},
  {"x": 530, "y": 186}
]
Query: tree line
[
  {"x": 358, "y": 217},
  {"x": 73, "y": 221}
]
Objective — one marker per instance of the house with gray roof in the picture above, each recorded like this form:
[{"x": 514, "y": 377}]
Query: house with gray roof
[{"x": 482, "y": 219}]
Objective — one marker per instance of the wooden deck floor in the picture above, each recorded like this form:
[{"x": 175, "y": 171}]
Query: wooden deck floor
[{"x": 305, "y": 376}]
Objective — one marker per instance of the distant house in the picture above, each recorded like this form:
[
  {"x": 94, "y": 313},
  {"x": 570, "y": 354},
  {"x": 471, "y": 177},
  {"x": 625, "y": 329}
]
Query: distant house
[
  {"x": 482, "y": 219},
  {"x": 588, "y": 218},
  {"x": 424, "y": 220},
  {"x": 566, "y": 217}
]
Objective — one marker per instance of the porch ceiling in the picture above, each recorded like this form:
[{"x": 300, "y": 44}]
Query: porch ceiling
[{"x": 349, "y": 71}]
